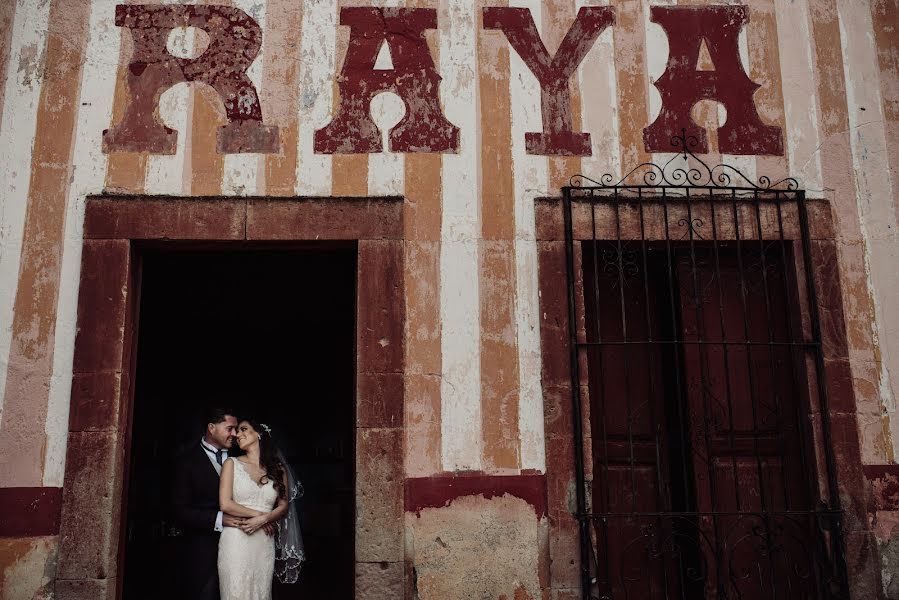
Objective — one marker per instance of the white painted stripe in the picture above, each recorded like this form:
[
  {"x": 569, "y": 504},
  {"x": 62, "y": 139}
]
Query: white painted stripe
[
  {"x": 599, "y": 98},
  {"x": 166, "y": 173},
  {"x": 17, "y": 127},
  {"x": 318, "y": 41},
  {"x": 241, "y": 171},
  {"x": 460, "y": 389},
  {"x": 386, "y": 174},
  {"x": 801, "y": 137},
  {"x": 531, "y": 180},
  {"x": 874, "y": 189},
  {"x": 88, "y": 172}
]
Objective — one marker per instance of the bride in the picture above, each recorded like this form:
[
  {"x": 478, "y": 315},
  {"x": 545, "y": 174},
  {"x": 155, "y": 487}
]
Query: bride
[{"x": 261, "y": 488}]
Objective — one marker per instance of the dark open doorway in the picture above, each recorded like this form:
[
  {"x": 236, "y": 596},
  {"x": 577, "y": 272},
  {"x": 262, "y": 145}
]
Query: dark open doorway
[{"x": 270, "y": 332}]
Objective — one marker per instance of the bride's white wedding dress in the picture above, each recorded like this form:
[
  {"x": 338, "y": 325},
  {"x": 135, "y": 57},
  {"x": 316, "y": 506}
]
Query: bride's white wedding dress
[{"x": 246, "y": 562}]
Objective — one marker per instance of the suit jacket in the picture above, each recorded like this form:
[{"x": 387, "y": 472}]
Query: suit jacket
[{"x": 195, "y": 505}]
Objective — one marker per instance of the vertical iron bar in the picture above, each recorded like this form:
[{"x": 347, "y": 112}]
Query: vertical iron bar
[
  {"x": 675, "y": 347},
  {"x": 580, "y": 493},
  {"x": 602, "y": 395},
  {"x": 625, "y": 353},
  {"x": 650, "y": 350},
  {"x": 699, "y": 315},
  {"x": 833, "y": 502},
  {"x": 772, "y": 359},
  {"x": 804, "y": 435},
  {"x": 753, "y": 391},
  {"x": 725, "y": 348}
]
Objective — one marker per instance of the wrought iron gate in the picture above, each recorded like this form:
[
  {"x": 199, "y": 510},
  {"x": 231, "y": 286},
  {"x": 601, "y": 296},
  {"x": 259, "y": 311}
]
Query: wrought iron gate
[{"x": 699, "y": 398}]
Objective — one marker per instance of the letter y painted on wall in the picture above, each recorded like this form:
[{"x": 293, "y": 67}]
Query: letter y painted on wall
[
  {"x": 552, "y": 72},
  {"x": 234, "y": 41}
]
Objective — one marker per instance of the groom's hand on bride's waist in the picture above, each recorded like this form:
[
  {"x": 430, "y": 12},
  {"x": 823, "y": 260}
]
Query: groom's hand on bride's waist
[
  {"x": 270, "y": 529},
  {"x": 229, "y": 521}
]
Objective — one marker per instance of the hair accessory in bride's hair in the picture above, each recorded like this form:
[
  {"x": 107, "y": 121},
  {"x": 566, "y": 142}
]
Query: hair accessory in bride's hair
[{"x": 268, "y": 429}]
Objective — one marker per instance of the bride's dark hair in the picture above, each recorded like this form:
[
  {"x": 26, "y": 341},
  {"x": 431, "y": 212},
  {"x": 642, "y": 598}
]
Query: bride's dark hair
[{"x": 268, "y": 456}]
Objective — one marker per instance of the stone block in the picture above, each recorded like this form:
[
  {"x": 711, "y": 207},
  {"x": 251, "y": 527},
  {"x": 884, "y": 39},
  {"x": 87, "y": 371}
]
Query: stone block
[
  {"x": 325, "y": 219},
  {"x": 379, "y": 400},
  {"x": 380, "y": 326},
  {"x": 379, "y": 580},
  {"x": 825, "y": 267},
  {"x": 820, "y": 220},
  {"x": 379, "y": 495},
  {"x": 85, "y": 589},
  {"x": 102, "y": 304},
  {"x": 95, "y": 401},
  {"x": 91, "y": 502},
  {"x": 862, "y": 565},
  {"x": 840, "y": 391},
  {"x": 548, "y": 219},
  {"x": 164, "y": 219}
]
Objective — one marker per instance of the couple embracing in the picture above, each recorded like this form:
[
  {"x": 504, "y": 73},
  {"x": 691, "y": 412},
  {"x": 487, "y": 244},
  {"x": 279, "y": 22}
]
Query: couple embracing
[{"x": 237, "y": 513}]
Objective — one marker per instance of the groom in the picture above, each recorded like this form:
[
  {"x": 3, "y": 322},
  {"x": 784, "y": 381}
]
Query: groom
[{"x": 195, "y": 504}]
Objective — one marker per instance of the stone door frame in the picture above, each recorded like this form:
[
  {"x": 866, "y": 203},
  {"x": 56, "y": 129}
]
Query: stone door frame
[{"x": 91, "y": 549}]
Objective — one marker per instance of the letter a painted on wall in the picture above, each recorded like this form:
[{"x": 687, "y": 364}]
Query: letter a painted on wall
[
  {"x": 682, "y": 85},
  {"x": 413, "y": 78},
  {"x": 234, "y": 41},
  {"x": 552, "y": 72}
]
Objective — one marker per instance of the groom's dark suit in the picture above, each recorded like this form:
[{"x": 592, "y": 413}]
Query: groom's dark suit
[{"x": 195, "y": 504}]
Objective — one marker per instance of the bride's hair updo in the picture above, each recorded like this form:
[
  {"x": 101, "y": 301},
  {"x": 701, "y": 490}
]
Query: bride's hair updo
[{"x": 268, "y": 456}]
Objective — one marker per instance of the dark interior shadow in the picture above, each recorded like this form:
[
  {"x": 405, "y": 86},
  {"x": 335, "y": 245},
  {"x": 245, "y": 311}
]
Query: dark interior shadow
[{"x": 270, "y": 333}]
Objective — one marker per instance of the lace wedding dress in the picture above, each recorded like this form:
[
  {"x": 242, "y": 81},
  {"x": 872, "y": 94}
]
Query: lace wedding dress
[{"x": 246, "y": 562}]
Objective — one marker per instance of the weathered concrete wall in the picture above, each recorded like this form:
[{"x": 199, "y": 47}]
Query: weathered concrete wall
[
  {"x": 477, "y": 548},
  {"x": 28, "y": 568},
  {"x": 829, "y": 76}
]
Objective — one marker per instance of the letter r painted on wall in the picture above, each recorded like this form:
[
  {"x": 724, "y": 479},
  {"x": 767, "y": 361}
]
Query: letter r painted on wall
[
  {"x": 234, "y": 41},
  {"x": 682, "y": 84}
]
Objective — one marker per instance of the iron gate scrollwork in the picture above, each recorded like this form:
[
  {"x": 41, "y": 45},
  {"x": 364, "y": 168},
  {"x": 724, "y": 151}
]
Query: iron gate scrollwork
[{"x": 698, "y": 387}]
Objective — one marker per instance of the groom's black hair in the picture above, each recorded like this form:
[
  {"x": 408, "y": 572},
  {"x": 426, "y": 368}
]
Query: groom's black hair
[{"x": 217, "y": 414}]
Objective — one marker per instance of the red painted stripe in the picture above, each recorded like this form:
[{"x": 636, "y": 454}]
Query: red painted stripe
[
  {"x": 29, "y": 511},
  {"x": 442, "y": 490}
]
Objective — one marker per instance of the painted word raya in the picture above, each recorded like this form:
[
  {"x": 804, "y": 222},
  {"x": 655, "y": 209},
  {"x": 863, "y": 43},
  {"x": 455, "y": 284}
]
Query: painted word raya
[{"x": 235, "y": 39}]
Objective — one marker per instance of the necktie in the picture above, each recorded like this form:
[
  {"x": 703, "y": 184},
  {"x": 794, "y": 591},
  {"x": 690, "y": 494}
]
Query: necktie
[{"x": 218, "y": 456}]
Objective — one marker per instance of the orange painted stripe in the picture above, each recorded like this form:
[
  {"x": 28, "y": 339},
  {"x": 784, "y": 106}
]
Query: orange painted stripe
[
  {"x": 764, "y": 69},
  {"x": 499, "y": 342},
  {"x": 34, "y": 319},
  {"x": 422, "y": 218},
  {"x": 629, "y": 35},
  {"x": 7, "y": 14},
  {"x": 204, "y": 168},
  {"x": 558, "y": 15},
  {"x": 349, "y": 172},
  {"x": 280, "y": 94},
  {"x": 126, "y": 172}
]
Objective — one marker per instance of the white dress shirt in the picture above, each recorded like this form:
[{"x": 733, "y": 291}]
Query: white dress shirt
[{"x": 210, "y": 453}]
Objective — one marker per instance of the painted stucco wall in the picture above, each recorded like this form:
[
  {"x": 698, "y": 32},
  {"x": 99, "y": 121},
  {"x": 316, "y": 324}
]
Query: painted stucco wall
[{"x": 829, "y": 76}]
